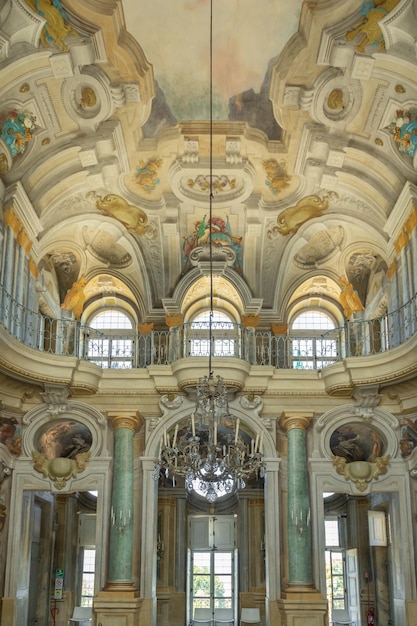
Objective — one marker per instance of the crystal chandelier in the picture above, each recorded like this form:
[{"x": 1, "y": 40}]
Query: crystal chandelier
[
  {"x": 211, "y": 453},
  {"x": 213, "y": 458}
]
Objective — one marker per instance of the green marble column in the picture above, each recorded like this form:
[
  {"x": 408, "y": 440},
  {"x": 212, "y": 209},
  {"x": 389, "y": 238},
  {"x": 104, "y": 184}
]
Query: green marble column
[
  {"x": 299, "y": 514},
  {"x": 121, "y": 523}
]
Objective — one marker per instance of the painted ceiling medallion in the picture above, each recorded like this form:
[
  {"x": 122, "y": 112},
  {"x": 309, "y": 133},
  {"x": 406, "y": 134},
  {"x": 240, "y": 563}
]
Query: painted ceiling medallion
[
  {"x": 358, "y": 453},
  {"x": 16, "y": 130},
  {"x": 277, "y": 177},
  {"x": 146, "y": 174}
]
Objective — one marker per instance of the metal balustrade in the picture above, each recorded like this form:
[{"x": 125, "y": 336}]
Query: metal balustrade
[{"x": 67, "y": 337}]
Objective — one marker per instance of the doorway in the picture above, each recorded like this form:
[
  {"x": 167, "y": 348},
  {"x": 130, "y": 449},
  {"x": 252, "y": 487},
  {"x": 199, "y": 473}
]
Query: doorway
[
  {"x": 362, "y": 543},
  {"x": 212, "y": 568}
]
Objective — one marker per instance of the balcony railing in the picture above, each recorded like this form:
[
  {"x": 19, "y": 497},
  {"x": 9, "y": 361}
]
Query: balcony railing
[{"x": 67, "y": 337}]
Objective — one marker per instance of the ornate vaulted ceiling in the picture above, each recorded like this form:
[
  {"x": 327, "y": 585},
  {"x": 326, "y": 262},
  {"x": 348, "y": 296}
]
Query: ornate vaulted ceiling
[{"x": 106, "y": 143}]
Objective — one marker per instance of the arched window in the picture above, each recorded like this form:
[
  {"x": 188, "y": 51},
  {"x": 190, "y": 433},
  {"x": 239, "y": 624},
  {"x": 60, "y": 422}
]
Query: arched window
[
  {"x": 224, "y": 335},
  {"x": 112, "y": 345},
  {"x": 314, "y": 340}
]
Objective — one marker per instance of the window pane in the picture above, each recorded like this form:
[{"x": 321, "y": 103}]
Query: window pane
[
  {"x": 87, "y": 577},
  {"x": 222, "y": 586},
  {"x": 111, "y": 319},
  {"x": 313, "y": 320},
  {"x": 331, "y": 528},
  {"x": 219, "y": 319},
  {"x": 223, "y": 563},
  {"x": 202, "y": 559},
  {"x": 89, "y": 560}
]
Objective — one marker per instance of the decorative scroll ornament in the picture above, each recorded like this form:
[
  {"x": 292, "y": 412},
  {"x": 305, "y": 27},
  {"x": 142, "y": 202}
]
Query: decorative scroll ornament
[
  {"x": 60, "y": 469},
  {"x": 308, "y": 208},
  {"x": 361, "y": 472},
  {"x": 135, "y": 220}
]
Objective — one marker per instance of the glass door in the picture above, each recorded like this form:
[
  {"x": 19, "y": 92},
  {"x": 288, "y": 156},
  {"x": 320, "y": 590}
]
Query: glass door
[
  {"x": 212, "y": 580},
  {"x": 212, "y": 571}
]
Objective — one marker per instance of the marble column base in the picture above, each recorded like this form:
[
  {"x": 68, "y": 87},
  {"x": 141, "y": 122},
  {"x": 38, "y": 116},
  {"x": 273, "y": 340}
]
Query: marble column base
[
  {"x": 301, "y": 605},
  {"x": 118, "y": 608},
  {"x": 120, "y": 587}
]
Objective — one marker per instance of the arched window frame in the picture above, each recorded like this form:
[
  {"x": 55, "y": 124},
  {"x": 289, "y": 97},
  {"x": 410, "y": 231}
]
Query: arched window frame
[
  {"x": 111, "y": 347},
  {"x": 225, "y": 334},
  {"x": 313, "y": 347}
]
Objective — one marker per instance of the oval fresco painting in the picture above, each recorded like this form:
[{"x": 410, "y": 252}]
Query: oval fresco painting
[
  {"x": 66, "y": 438},
  {"x": 356, "y": 442}
]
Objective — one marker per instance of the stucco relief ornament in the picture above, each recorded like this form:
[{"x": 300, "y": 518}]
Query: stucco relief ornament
[
  {"x": 172, "y": 400},
  {"x": 361, "y": 472},
  {"x": 61, "y": 469},
  {"x": 250, "y": 401}
]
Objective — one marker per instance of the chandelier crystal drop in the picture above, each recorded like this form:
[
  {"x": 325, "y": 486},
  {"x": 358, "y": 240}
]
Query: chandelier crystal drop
[{"x": 212, "y": 455}]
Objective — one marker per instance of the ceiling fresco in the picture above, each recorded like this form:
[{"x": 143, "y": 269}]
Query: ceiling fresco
[{"x": 246, "y": 36}]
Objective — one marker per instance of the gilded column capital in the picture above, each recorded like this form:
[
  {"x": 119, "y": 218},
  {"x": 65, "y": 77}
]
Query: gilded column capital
[
  {"x": 250, "y": 321},
  {"x": 174, "y": 320},
  {"x": 299, "y": 420},
  {"x": 125, "y": 419}
]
